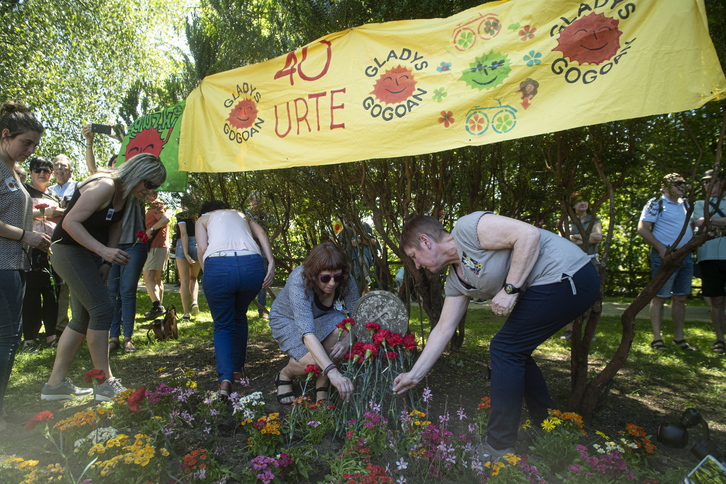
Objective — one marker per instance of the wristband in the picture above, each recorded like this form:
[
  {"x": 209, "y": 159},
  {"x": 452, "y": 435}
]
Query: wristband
[
  {"x": 106, "y": 263},
  {"x": 329, "y": 368},
  {"x": 22, "y": 236}
]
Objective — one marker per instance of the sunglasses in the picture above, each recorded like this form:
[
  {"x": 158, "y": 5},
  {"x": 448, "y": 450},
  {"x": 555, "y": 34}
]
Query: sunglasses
[
  {"x": 42, "y": 170},
  {"x": 150, "y": 185},
  {"x": 325, "y": 278}
]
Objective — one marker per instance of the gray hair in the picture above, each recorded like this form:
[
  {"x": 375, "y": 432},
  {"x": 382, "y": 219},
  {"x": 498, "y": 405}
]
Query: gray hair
[{"x": 140, "y": 168}]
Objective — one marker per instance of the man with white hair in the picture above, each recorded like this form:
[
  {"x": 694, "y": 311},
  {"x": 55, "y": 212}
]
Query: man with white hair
[{"x": 63, "y": 173}]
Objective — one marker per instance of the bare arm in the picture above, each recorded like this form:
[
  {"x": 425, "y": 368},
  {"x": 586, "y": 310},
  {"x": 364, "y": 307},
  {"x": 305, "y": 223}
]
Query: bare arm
[
  {"x": 94, "y": 197},
  {"x": 184, "y": 237},
  {"x": 452, "y": 312},
  {"x": 90, "y": 157},
  {"x": 259, "y": 233},
  {"x": 202, "y": 241},
  {"x": 343, "y": 384},
  {"x": 596, "y": 234},
  {"x": 645, "y": 230},
  {"x": 501, "y": 233},
  {"x": 33, "y": 239}
]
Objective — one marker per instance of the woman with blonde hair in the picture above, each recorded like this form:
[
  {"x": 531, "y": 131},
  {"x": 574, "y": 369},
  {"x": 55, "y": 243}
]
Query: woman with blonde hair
[{"x": 85, "y": 248}]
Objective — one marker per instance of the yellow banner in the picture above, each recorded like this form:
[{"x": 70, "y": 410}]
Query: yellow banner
[{"x": 500, "y": 71}]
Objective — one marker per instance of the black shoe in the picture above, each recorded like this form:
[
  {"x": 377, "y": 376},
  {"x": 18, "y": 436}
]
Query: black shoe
[{"x": 155, "y": 312}]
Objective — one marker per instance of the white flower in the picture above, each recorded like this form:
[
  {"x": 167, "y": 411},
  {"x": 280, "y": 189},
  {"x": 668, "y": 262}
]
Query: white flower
[
  {"x": 401, "y": 480},
  {"x": 402, "y": 464}
]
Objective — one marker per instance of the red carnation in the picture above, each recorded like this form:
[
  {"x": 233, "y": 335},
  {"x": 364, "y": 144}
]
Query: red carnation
[
  {"x": 142, "y": 237},
  {"x": 136, "y": 398},
  {"x": 371, "y": 350},
  {"x": 358, "y": 346},
  {"x": 394, "y": 339},
  {"x": 350, "y": 321},
  {"x": 391, "y": 355},
  {"x": 409, "y": 342},
  {"x": 373, "y": 326},
  {"x": 99, "y": 375},
  {"x": 42, "y": 206},
  {"x": 313, "y": 369},
  {"x": 44, "y": 416}
]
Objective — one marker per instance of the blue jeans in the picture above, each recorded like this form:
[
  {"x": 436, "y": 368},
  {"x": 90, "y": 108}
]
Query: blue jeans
[
  {"x": 230, "y": 284},
  {"x": 540, "y": 312},
  {"x": 123, "y": 284},
  {"x": 12, "y": 289}
]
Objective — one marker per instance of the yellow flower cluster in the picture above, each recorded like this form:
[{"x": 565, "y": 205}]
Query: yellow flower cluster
[
  {"x": 417, "y": 417},
  {"x": 272, "y": 424},
  {"x": 50, "y": 473},
  {"x": 90, "y": 416},
  {"x": 140, "y": 452},
  {"x": 557, "y": 418},
  {"x": 497, "y": 466},
  {"x": 121, "y": 398}
]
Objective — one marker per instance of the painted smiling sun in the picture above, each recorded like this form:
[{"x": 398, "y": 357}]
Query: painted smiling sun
[
  {"x": 243, "y": 115},
  {"x": 395, "y": 85},
  {"x": 487, "y": 71},
  {"x": 592, "y": 39}
]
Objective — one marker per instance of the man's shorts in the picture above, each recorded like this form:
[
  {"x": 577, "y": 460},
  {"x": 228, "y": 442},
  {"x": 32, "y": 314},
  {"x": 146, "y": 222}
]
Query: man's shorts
[
  {"x": 679, "y": 284},
  {"x": 713, "y": 275},
  {"x": 156, "y": 261}
]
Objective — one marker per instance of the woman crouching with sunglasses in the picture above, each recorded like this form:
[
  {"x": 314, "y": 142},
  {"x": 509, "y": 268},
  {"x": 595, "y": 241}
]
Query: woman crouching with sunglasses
[{"x": 303, "y": 318}]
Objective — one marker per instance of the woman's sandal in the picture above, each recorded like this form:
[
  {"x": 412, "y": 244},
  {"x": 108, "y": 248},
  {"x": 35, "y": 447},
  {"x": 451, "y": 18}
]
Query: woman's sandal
[
  {"x": 281, "y": 397},
  {"x": 683, "y": 344},
  {"x": 719, "y": 347},
  {"x": 658, "y": 345},
  {"x": 321, "y": 390}
]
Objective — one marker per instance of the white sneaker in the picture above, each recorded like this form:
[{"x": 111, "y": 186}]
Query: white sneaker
[
  {"x": 195, "y": 310},
  {"x": 109, "y": 389}
]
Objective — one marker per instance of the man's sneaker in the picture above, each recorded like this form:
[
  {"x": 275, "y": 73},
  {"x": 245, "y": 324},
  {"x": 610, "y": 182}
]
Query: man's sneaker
[
  {"x": 64, "y": 391},
  {"x": 195, "y": 310},
  {"x": 108, "y": 390},
  {"x": 487, "y": 453},
  {"x": 155, "y": 312}
]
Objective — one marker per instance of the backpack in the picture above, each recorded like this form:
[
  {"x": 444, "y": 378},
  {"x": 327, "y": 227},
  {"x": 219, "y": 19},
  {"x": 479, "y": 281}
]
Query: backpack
[{"x": 165, "y": 327}]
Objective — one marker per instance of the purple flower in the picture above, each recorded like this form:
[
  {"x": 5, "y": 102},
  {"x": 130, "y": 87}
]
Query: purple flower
[
  {"x": 461, "y": 414},
  {"x": 313, "y": 423},
  {"x": 427, "y": 396}
]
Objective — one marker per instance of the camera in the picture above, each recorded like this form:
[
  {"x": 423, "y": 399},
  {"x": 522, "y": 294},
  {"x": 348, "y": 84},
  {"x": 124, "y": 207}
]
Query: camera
[{"x": 711, "y": 468}]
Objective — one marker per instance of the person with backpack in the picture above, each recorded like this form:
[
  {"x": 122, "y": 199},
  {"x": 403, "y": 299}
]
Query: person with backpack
[
  {"x": 660, "y": 225},
  {"x": 712, "y": 254}
]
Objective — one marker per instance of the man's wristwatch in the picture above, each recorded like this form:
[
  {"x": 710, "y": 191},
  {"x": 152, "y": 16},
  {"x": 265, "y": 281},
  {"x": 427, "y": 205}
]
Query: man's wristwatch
[{"x": 510, "y": 289}]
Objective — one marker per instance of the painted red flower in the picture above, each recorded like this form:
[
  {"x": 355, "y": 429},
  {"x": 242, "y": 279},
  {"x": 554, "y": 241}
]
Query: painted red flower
[
  {"x": 447, "y": 118},
  {"x": 136, "y": 398},
  {"x": 409, "y": 342},
  {"x": 313, "y": 369},
  {"x": 99, "y": 375},
  {"x": 44, "y": 416}
]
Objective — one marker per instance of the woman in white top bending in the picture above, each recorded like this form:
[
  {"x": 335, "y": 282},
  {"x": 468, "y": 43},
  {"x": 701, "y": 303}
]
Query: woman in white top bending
[{"x": 234, "y": 272}]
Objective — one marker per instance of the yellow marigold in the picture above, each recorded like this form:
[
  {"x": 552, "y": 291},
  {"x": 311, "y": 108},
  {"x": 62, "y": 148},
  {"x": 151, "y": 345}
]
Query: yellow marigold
[
  {"x": 191, "y": 384},
  {"x": 27, "y": 463},
  {"x": 164, "y": 452},
  {"x": 417, "y": 413}
]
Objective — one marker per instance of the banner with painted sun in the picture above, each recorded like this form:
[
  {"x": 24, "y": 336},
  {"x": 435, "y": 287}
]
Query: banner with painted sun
[
  {"x": 158, "y": 133},
  {"x": 500, "y": 71}
]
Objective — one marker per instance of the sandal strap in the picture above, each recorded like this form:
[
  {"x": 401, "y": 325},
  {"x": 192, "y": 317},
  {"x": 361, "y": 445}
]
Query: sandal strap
[{"x": 683, "y": 344}]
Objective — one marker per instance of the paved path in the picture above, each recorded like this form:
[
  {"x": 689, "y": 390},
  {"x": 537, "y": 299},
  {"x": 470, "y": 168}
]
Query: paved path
[{"x": 693, "y": 313}]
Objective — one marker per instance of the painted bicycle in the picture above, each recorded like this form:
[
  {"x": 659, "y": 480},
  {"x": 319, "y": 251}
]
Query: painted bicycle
[
  {"x": 484, "y": 27},
  {"x": 501, "y": 118}
]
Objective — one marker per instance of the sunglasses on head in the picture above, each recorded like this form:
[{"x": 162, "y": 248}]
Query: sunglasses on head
[
  {"x": 325, "y": 278},
  {"x": 42, "y": 170},
  {"x": 150, "y": 185}
]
